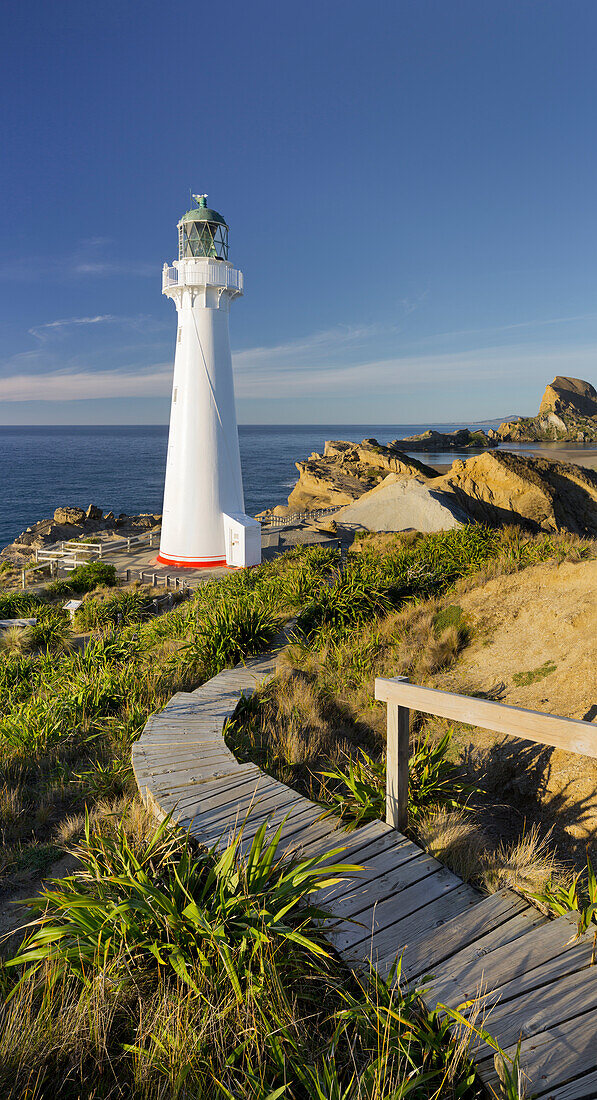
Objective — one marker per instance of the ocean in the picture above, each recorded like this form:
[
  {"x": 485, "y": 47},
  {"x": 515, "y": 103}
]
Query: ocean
[{"x": 122, "y": 467}]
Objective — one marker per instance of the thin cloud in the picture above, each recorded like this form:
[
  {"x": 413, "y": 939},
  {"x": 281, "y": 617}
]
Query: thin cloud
[
  {"x": 27, "y": 269},
  {"x": 543, "y": 322},
  {"x": 328, "y": 342},
  {"x": 62, "y": 385},
  {"x": 259, "y": 377},
  {"x": 53, "y": 326}
]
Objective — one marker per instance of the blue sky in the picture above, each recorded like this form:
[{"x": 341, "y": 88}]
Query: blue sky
[{"x": 410, "y": 187}]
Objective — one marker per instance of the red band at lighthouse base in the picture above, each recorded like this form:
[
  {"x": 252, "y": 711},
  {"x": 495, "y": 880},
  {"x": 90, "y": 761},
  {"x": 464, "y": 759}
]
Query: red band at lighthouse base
[{"x": 205, "y": 563}]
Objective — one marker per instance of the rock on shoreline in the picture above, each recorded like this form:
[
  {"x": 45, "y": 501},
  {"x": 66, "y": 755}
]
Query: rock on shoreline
[
  {"x": 380, "y": 488},
  {"x": 567, "y": 414},
  {"x": 70, "y": 522}
]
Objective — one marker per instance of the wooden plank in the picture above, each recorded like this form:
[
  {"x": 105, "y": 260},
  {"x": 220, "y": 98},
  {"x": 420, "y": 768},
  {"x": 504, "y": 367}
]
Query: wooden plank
[
  {"x": 224, "y": 773},
  {"x": 397, "y": 758},
  {"x": 195, "y": 796},
  {"x": 469, "y": 930},
  {"x": 376, "y": 918},
  {"x": 219, "y": 792},
  {"x": 295, "y": 835},
  {"x": 353, "y": 899},
  {"x": 375, "y": 871},
  {"x": 317, "y": 840},
  {"x": 256, "y": 798},
  {"x": 581, "y": 1088},
  {"x": 553, "y": 1057},
  {"x": 384, "y": 946},
  {"x": 504, "y": 964},
  {"x": 294, "y": 820},
  {"x": 250, "y": 811},
  {"x": 535, "y": 1011},
  {"x": 220, "y": 795},
  {"x": 174, "y": 755},
  {"x": 376, "y": 836},
  {"x": 571, "y": 734}
]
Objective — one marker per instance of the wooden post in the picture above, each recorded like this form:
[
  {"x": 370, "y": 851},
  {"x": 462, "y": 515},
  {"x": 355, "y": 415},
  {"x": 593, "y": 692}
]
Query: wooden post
[
  {"x": 128, "y": 546},
  {"x": 23, "y": 578},
  {"x": 397, "y": 754}
]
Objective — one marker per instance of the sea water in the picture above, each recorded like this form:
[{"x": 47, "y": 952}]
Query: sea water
[{"x": 121, "y": 468}]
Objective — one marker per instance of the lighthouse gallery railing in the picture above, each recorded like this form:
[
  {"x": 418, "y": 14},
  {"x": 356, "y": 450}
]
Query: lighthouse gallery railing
[{"x": 202, "y": 275}]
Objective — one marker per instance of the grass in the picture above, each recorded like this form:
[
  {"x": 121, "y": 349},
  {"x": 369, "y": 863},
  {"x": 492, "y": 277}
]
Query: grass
[
  {"x": 114, "y": 1016},
  {"x": 524, "y": 679},
  {"x": 213, "y": 982},
  {"x": 318, "y": 728}
]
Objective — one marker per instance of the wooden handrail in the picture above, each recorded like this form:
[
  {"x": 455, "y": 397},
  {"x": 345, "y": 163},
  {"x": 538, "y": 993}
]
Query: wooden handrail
[{"x": 571, "y": 734}]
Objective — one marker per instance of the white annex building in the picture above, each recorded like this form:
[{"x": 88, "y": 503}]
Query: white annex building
[{"x": 204, "y": 521}]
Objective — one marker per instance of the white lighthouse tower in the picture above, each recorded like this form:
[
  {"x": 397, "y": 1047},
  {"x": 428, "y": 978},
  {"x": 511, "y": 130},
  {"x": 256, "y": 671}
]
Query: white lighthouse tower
[{"x": 203, "y": 522}]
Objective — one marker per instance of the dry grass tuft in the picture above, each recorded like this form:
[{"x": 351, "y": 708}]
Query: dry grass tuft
[
  {"x": 12, "y": 812},
  {"x": 440, "y": 652},
  {"x": 139, "y": 824},
  {"x": 70, "y": 830},
  {"x": 526, "y": 864},
  {"x": 12, "y": 639},
  {"x": 457, "y": 840}
]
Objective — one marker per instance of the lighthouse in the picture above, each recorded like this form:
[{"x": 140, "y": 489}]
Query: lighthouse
[{"x": 204, "y": 522}]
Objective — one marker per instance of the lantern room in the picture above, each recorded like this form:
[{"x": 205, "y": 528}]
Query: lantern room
[{"x": 202, "y": 232}]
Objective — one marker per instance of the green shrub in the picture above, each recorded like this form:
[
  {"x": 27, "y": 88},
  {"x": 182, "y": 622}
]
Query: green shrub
[
  {"x": 579, "y": 898},
  {"x": 448, "y": 616},
  {"x": 434, "y": 781},
  {"x": 165, "y": 905},
  {"x": 361, "y": 796},
  {"x": 52, "y": 633},
  {"x": 58, "y": 590},
  {"x": 103, "y": 610},
  {"x": 87, "y": 577},
  {"x": 350, "y": 599},
  {"x": 229, "y": 633},
  {"x": 19, "y": 605}
]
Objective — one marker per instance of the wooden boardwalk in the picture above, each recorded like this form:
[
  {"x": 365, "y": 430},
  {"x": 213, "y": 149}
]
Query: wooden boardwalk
[{"x": 455, "y": 942}]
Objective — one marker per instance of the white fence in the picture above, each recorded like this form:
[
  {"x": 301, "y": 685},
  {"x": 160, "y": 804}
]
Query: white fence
[
  {"x": 299, "y": 517},
  {"x": 71, "y": 554}
]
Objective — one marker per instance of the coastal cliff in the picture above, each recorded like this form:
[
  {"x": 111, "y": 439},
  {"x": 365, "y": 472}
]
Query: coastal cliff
[
  {"x": 386, "y": 490},
  {"x": 567, "y": 414},
  {"x": 347, "y": 470}
]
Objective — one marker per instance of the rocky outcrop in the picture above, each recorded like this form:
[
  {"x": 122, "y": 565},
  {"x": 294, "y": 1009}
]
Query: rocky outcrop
[
  {"x": 347, "y": 470},
  {"x": 401, "y": 504},
  {"x": 567, "y": 414},
  {"x": 71, "y": 523},
  {"x": 70, "y": 516},
  {"x": 461, "y": 440},
  {"x": 503, "y": 487},
  {"x": 569, "y": 395}
]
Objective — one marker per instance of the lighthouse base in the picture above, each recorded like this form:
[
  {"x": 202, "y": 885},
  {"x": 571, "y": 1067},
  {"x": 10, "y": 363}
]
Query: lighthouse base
[{"x": 203, "y": 563}]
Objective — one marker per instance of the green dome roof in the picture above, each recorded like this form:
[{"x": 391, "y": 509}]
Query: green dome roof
[{"x": 202, "y": 213}]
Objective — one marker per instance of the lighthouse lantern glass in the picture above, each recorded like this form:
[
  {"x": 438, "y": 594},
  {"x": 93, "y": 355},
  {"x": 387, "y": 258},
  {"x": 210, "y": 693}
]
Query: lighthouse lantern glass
[{"x": 202, "y": 238}]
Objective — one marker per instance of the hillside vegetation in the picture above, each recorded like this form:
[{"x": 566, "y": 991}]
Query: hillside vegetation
[{"x": 157, "y": 969}]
